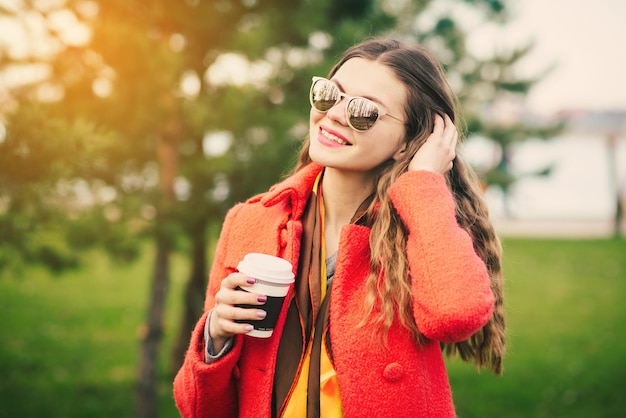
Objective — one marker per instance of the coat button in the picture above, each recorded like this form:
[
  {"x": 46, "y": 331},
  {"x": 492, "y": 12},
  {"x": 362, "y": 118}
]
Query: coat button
[{"x": 393, "y": 372}]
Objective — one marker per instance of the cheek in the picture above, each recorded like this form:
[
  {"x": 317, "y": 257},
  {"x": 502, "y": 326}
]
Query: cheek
[
  {"x": 315, "y": 116},
  {"x": 396, "y": 143},
  {"x": 314, "y": 119}
]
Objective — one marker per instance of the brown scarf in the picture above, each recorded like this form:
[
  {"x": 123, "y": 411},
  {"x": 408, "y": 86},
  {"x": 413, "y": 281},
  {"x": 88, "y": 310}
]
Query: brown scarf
[{"x": 306, "y": 309}]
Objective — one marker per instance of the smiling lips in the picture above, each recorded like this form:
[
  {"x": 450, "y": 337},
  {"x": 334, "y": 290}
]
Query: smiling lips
[{"x": 331, "y": 138}]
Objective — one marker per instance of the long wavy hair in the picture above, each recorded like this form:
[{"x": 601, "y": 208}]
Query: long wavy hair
[{"x": 428, "y": 93}]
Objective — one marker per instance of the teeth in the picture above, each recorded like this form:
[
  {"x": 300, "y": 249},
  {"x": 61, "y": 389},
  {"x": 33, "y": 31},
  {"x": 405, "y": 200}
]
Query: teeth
[{"x": 333, "y": 138}]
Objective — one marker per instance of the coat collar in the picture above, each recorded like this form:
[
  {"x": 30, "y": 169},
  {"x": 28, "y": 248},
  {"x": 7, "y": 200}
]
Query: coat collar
[{"x": 296, "y": 189}]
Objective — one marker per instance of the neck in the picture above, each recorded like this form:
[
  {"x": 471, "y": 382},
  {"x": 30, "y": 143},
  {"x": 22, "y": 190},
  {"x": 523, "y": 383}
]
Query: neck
[{"x": 343, "y": 194}]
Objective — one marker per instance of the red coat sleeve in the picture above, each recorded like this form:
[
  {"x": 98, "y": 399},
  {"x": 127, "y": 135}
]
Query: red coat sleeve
[
  {"x": 452, "y": 296},
  {"x": 209, "y": 390}
]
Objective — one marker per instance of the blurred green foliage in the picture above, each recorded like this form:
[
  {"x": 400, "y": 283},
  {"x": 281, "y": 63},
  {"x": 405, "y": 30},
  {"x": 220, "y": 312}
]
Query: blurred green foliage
[{"x": 131, "y": 107}]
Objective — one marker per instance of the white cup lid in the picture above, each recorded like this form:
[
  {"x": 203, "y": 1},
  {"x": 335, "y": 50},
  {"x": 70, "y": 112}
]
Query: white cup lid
[{"x": 267, "y": 267}]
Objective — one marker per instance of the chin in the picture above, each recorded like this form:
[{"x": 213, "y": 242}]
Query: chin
[
  {"x": 320, "y": 159},
  {"x": 314, "y": 156}
]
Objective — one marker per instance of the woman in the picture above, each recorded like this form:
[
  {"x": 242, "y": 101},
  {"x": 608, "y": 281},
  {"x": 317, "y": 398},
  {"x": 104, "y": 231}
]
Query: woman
[{"x": 393, "y": 253}]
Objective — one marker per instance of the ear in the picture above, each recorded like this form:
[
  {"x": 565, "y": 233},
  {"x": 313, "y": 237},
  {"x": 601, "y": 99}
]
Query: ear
[{"x": 400, "y": 153}]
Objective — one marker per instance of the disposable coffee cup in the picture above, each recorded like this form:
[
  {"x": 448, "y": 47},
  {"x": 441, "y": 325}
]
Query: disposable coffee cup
[{"x": 273, "y": 276}]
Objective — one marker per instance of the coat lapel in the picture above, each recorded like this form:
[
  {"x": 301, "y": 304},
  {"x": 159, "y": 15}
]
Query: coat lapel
[{"x": 271, "y": 223}]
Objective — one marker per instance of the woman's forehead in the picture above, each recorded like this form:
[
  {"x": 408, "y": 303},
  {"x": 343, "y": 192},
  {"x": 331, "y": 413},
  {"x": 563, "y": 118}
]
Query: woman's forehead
[{"x": 371, "y": 79}]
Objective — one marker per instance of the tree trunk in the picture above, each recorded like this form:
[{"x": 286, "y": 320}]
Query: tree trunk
[
  {"x": 147, "y": 396},
  {"x": 193, "y": 299},
  {"x": 506, "y": 188},
  {"x": 614, "y": 179}
]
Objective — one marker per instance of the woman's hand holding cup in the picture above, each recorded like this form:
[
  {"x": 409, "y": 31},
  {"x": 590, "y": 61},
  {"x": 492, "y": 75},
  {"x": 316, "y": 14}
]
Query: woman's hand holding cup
[
  {"x": 223, "y": 325},
  {"x": 263, "y": 280}
]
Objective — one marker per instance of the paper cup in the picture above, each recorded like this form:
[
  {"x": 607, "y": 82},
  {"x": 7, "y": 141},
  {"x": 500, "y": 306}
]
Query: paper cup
[{"x": 273, "y": 276}]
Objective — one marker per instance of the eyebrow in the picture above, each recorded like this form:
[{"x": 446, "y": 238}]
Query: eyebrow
[{"x": 374, "y": 99}]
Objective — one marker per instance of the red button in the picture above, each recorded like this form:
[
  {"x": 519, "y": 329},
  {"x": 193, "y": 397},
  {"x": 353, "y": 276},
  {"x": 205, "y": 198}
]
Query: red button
[{"x": 393, "y": 372}]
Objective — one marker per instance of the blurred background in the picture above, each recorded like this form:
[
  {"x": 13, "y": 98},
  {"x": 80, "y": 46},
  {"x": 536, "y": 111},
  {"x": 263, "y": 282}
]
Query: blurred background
[{"x": 129, "y": 127}]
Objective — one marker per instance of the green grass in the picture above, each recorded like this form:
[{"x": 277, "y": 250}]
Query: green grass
[
  {"x": 69, "y": 344},
  {"x": 566, "y": 351}
]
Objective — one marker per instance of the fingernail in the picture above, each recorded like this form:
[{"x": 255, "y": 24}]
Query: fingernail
[
  {"x": 249, "y": 328},
  {"x": 261, "y": 314},
  {"x": 262, "y": 299},
  {"x": 251, "y": 280}
]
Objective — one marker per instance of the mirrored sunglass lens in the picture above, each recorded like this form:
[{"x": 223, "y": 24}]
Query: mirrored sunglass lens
[
  {"x": 363, "y": 114},
  {"x": 324, "y": 95}
]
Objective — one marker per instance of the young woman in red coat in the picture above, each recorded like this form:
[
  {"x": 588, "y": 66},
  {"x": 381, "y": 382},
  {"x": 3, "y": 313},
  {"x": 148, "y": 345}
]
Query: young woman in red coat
[{"x": 393, "y": 253}]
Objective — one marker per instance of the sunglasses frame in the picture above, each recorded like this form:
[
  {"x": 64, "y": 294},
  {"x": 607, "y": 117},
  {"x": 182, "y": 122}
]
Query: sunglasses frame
[{"x": 381, "y": 112}]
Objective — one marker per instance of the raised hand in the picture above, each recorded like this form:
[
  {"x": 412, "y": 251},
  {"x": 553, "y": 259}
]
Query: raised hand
[{"x": 439, "y": 150}]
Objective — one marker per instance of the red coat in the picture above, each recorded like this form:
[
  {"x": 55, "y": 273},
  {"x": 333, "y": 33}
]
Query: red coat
[{"x": 451, "y": 301}]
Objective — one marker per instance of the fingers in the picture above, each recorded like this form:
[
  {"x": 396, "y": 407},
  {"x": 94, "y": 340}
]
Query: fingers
[
  {"x": 453, "y": 135},
  {"x": 228, "y": 307},
  {"x": 445, "y": 136},
  {"x": 439, "y": 150},
  {"x": 450, "y": 134},
  {"x": 223, "y": 323},
  {"x": 439, "y": 127}
]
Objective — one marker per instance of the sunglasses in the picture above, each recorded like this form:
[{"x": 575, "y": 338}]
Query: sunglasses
[{"x": 361, "y": 113}]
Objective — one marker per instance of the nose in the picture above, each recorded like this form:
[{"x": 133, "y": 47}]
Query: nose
[{"x": 337, "y": 113}]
